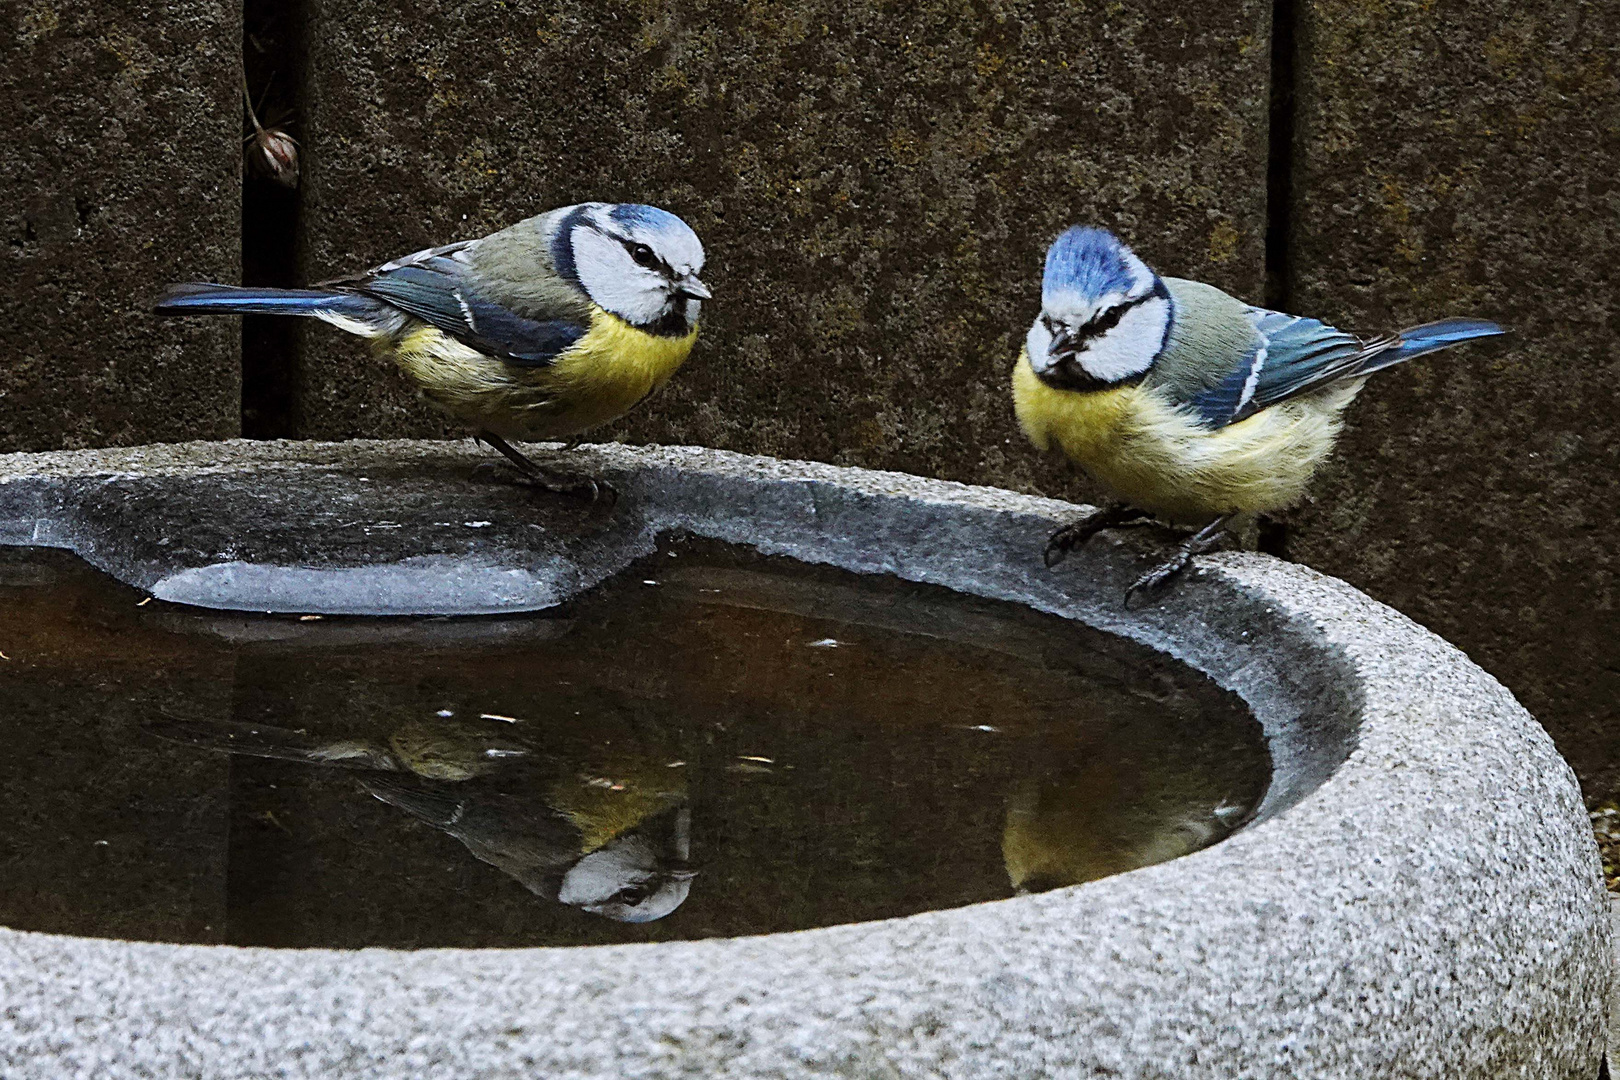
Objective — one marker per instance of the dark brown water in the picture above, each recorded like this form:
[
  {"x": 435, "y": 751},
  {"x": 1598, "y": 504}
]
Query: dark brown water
[{"x": 736, "y": 744}]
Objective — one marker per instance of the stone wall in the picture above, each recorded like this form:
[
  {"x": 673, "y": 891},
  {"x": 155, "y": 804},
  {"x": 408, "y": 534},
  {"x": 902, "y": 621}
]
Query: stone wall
[
  {"x": 875, "y": 184},
  {"x": 120, "y": 152}
]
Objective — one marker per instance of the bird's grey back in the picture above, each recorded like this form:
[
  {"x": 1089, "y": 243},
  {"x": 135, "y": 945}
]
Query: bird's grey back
[
  {"x": 515, "y": 268},
  {"x": 514, "y": 831},
  {"x": 1211, "y": 334}
]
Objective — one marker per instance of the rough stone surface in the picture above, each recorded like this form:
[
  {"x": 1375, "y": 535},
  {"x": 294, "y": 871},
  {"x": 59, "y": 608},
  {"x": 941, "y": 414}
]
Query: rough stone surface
[
  {"x": 1459, "y": 158},
  {"x": 1614, "y": 991},
  {"x": 120, "y": 147},
  {"x": 875, "y": 183},
  {"x": 1419, "y": 897}
]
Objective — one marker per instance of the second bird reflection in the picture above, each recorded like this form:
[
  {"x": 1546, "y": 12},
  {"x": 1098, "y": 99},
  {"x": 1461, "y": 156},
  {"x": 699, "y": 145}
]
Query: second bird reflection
[
  {"x": 1080, "y": 822},
  {"x": 604, "y": 831}
]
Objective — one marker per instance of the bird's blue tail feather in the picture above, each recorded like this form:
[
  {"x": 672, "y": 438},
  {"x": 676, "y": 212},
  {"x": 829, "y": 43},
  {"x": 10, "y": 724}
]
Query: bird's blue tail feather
[
  {"x": 1417, "y": 340},
  {"x": 206, "y": 298},
  {"x": 1428, "y": 338}
]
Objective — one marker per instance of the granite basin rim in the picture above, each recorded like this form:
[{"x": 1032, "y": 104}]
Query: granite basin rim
[{"x": 1419, "y": 894}]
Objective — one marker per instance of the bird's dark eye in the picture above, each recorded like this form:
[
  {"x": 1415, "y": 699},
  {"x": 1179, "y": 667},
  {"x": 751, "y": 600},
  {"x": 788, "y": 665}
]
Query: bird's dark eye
[
  {"x": 643, "y": 255},
  {"x": 1109, "y": 319},
  {"x": 632, "y": 895}
]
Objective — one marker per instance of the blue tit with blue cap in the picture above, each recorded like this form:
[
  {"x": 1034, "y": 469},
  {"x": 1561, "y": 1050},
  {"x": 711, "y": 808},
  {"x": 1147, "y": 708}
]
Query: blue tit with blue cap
[
  {"x": 1188, "y": 404},
  {"x": 541, "y": 331}
]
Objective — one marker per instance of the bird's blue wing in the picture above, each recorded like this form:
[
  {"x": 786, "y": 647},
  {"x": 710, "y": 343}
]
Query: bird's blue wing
[
  {"x": 432, "y": 286},
  {"x": 1294, "y": 355},
  {"x": 1291, "y": 355}
]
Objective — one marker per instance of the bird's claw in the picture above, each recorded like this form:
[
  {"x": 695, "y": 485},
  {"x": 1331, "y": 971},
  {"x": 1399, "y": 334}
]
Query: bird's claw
[
  {"x": 1062, "y": 542},
  {"x": 560, "y": 483},
  {"x": 557, "y": 481},
  {"x": 1077, "y": 532},
  {"x": 1207, "y": 539},
  {"x": 566, "y": 483},
  {"x": 1157, "y": 578}
]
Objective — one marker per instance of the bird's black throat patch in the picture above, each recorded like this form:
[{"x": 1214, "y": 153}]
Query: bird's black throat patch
[
  {"x": 1067, "y": 374},
  {"x": 673, "y": 323}
]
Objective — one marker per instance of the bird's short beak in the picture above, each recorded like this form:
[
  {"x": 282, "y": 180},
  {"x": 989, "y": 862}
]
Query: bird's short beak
[
  {"x": 691, "y": 286},
  {"x": 1063, "y": 344},
  {"x": 680, "y": 873}
]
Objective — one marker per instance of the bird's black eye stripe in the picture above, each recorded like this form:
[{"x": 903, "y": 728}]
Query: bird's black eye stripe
[
  {"x": 644, "y": 256},
  {"x": 1109, "y": 319},
  {"x": 1101, "y": 324}
]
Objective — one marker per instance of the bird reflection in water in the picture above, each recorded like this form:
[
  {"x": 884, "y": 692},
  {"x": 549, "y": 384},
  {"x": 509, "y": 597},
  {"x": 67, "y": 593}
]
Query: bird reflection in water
[
  {"x": 602, "y": 829},
  {"x": 1079, "y": 823}
]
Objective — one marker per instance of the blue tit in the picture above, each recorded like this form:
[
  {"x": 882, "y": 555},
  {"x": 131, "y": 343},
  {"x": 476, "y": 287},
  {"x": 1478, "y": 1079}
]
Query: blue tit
[
  {"x": 614, "y": 845},
  {"x": 1188, "y": 404},
  {"x": 543, "y": 330}
]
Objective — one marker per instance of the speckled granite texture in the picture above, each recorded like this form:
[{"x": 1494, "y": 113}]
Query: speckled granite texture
[
  {"x": 1614, "y": 990},
  {"x": 1418, "y": 898}
]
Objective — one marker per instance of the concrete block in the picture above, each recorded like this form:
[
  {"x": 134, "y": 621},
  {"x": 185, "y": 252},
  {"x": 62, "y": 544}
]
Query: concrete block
[
  {"x": 120, "y": 148},
  {"x": 875, "y": 184}
]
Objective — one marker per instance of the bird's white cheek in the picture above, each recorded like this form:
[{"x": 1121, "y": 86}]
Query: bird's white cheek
[
  {"x": 1129, "y": 348},
  {"x": 614, "y": 281},
  {"x": 1038, "y": 343}
]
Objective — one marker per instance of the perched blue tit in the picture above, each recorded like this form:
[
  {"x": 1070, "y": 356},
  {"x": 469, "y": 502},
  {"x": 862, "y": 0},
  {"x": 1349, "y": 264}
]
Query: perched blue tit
[
  {"x": 612, "y": 845},
  {"x": 1189, "y": 404},
  {"x": 543, "y": 330}
]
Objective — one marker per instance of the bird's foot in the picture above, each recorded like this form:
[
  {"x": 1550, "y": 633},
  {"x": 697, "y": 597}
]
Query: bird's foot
[
  {"x": 1077, "y": 532},
  {"x": 560, "y": 481},
  {"x": 568, "y": 483},
  {"x": 1205, "y": 540}
]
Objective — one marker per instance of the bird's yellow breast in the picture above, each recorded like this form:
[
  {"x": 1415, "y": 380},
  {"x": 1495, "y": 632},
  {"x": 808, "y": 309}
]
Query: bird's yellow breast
[
  {"x": 615, "y": 365},
  {"x": 616, "y": 786},
  {"x": 598, "y": 378},
  {"x": 1158, "y": 457}
]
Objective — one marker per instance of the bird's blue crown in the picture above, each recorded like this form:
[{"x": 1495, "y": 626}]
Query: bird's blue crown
[
  {"x": 1088, "y": 262},
  {"x": 647, "y": 217}
]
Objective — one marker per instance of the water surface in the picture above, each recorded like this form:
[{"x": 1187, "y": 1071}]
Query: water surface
[{"x": 712, "y": 743}]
